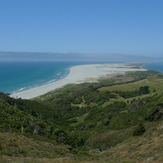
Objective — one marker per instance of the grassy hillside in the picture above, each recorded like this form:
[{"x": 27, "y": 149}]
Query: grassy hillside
[
  {"x": 14, "y": 144},
  {"x": 154, "y": 82},
  {"x": 117, "y": 119}
]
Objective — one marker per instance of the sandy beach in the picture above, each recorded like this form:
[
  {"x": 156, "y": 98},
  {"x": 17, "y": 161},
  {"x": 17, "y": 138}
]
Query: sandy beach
[{"x": 80, "y": 74}]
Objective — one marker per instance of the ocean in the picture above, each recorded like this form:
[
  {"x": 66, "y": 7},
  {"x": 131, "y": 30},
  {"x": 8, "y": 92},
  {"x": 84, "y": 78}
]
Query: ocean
[
  {"x": 157, "y": 66},
  {"x": 19, "y": 76}
]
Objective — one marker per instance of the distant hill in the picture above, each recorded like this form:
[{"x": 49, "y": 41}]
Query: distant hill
[{"x": 91, "y": 57}]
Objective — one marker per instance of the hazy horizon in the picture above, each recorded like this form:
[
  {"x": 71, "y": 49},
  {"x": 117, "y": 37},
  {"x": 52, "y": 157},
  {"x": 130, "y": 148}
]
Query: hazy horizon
[{"x": 92, "y": 57}]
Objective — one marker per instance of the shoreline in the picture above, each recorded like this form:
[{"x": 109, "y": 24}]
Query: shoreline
[{"x": 81, "y": 74}]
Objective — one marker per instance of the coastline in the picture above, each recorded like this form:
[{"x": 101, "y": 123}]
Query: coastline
[{"x": 80, "y": 74}]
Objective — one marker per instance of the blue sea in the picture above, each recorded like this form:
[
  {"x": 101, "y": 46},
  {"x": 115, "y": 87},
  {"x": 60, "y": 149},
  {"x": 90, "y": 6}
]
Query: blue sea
[
  {"x": 157, "y": 66},
  {"x": 19, "y": 76}
]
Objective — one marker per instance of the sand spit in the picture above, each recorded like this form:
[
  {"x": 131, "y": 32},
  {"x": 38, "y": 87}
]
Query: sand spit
[{"x": 81, "y": 74}]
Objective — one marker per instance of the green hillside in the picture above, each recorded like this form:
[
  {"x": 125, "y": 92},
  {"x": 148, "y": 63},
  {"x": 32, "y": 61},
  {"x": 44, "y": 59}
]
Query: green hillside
[{"x": 114, "y": 120}]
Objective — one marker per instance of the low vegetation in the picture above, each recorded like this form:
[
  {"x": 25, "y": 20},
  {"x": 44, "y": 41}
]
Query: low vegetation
[{"x": 114, "y": 120}]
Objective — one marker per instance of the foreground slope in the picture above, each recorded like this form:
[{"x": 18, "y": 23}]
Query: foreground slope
[{"x": 117, "y": 119}]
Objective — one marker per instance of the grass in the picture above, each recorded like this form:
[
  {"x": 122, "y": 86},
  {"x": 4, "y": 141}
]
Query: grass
[
  {"x": 19, "y": 145},
  {"x": 15, "y": 148},
  {"x": 79, "y": 120},
  {"x": 139, "y": 149},
  {"x": 9, "y": 159},
  {"x": 154, "y": 83}
]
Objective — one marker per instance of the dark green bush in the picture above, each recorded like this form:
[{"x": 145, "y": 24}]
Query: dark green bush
[{"x": 139, "y": 130}]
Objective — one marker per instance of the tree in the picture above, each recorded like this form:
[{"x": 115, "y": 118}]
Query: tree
[{"x": 143, "y": 90}]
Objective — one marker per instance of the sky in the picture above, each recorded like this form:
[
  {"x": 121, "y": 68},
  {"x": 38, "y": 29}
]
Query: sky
[{"x": 129, "y": 27}]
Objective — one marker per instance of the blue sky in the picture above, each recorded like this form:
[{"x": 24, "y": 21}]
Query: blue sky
[{"x": 130, "y": 27}]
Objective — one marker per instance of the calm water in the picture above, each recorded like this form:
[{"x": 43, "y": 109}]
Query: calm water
[
  {"x": 18, "y": 76},
  {"x": 15, "y": 77},
  {"x": 157, "y": 66}
]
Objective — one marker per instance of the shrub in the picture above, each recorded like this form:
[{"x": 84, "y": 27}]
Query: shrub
[{"x": 139, "y": 130}]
